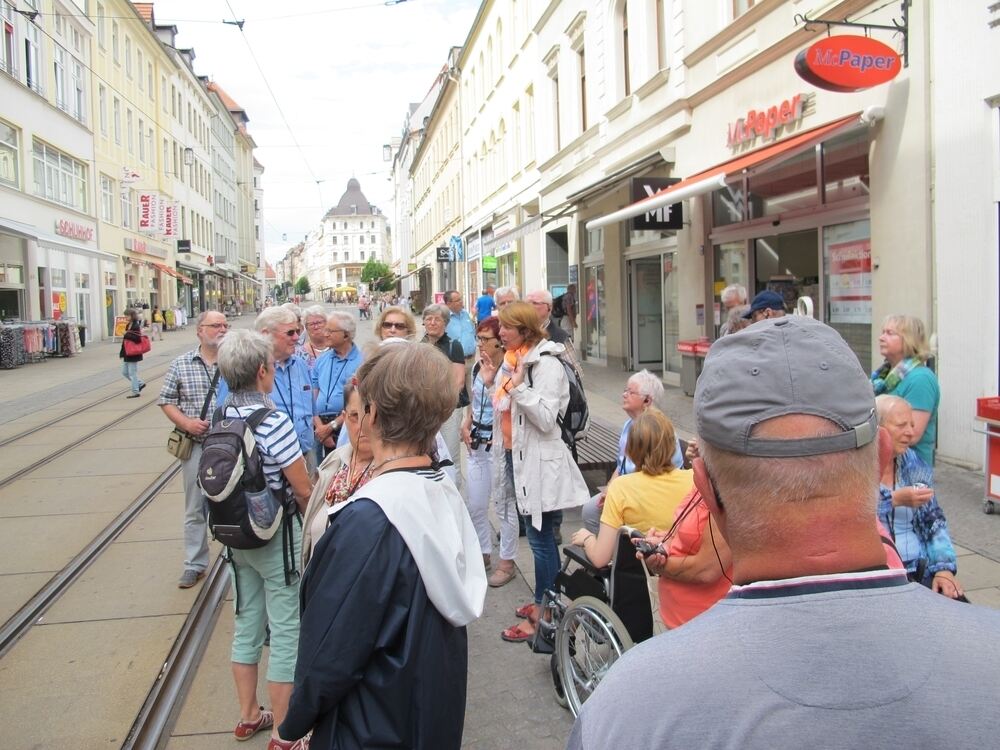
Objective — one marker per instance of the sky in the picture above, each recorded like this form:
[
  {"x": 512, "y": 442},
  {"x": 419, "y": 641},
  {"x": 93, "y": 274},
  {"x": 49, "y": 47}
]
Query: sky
[{"x": 342, "y": 73}]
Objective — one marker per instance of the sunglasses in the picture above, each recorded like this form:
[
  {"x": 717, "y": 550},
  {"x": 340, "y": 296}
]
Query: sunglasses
[
  {"x": 389, "y": 324},
  {"x": 292, "y": 332}
]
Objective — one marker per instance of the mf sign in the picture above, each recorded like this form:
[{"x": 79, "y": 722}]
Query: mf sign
[{"x": 666, "y": 217}]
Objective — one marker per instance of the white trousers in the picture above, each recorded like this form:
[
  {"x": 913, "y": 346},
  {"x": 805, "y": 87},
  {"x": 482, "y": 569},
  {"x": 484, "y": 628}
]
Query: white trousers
[{"x": 478, "y": 487}]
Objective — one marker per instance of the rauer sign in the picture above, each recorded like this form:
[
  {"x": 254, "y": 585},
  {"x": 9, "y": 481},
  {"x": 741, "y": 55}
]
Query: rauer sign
[
  {"x": 847, "y": 63},
  {"x": 665, "y": 217},
  {"x": 765, "y": 123}
]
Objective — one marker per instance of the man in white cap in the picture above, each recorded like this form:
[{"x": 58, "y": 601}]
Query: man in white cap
[{"x": 818, "y": 643}]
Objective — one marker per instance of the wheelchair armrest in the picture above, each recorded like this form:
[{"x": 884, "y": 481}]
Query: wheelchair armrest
[{"x": 577, "y": 555}]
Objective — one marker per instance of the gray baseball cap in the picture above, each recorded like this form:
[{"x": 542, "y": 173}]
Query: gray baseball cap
[{"x": 791, "y": 365}]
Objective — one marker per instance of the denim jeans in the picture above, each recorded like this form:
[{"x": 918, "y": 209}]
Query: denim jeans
[
  {"x": 544, "y": 550},
  {"x": 130, "y": 371}
]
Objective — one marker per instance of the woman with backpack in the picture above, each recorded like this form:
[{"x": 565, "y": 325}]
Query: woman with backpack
[
  {"x": 530, "y": 389},
  {"x": 130, "y": 362},
  {"x": 266, "y": 591}
]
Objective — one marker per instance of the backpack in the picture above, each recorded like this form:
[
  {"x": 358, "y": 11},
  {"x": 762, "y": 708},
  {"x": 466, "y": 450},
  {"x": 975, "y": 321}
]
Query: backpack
[
  {"x": 243, "y": 512},
  {"x": 574, "y": 420},
  {"x": 558, "y": 309}
]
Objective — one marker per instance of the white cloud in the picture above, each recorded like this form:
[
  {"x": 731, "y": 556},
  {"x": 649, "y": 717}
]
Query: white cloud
[{"x": 343, "y": 77}]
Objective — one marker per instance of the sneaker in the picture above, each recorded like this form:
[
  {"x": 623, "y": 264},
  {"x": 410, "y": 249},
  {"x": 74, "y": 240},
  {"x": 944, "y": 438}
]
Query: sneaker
[
  {"x": 132, "y": 395},
  {"x": 276, "y": 744},
  {"x": 141, "y": 386},
  {"x": 189, "y": 577},
  {"x": 247, "y": 729}
]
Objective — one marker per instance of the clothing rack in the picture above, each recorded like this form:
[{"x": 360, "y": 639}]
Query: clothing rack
[{"x": 31, "y": 341}]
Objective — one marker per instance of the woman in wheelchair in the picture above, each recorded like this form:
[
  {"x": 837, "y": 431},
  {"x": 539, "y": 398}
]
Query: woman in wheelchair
[{"x": 646, "y": 498}]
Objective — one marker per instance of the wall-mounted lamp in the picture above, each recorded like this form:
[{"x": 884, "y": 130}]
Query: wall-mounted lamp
[{"x": 188, "y": 156}]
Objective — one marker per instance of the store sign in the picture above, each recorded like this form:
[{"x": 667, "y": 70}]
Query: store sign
[
  {"x": 765, "y": 124},
  {"x": 74, "y": 231},
  {"x": 171, "y": 213},
  {"x": 443, "y": 254},
  {"x": 183, "y": 246},
  {"x": 664, "y": 217},
  {"x": 489, "y": 263},
  {"x": 847, "y": 63},
  {"x": 147, "y": 212}
]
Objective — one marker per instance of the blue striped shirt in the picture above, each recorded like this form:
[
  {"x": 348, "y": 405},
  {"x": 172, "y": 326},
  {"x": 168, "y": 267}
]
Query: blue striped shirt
[{"x": 276, "y": 440}]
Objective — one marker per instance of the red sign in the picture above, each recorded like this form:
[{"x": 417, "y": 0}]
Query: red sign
[
  {"x": 765, "y": 123},
  {"x": 73, "y": 230},
  {"x": 847, "y": 63}
]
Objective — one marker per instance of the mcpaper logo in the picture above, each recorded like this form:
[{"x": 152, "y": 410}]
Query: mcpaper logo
[
  {"x": 765, "y": 123},
  {"x": 847, "y": 63}
]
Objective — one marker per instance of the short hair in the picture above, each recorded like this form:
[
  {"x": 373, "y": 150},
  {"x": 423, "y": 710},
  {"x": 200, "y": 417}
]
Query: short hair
[
  {"x": 200, "y": 320},
  {"x": 648, "y": 385},
  {"x": 543, "y": 295},
  {"x": 651, "y": 443},
  {"x": 294, "y": 308},
  {"x": 885, "y": 403},
  {"x": 505, "y": 291},
  {"x": 408, "y": 409},
  {"x": 736, "y": 321},
  {"x": 241, "y": 355},
  {"x": 440, "y": 310},
  {"x": 345, "y": 321},
  {"x": 491, "y": 324},
  {"x": 449, "y": 293},
  {"x": 272, "y": 317},
  {"x": 734, "y": 290},
  {"x": 314, "y": 311},
  {"x": 911, "y": 330},
  {"x": 522, "y": 316},
  {"x": 411, "y": 323}
]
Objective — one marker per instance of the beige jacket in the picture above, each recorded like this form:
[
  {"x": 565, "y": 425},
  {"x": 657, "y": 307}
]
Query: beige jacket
[{"x": 317, "y": 501}]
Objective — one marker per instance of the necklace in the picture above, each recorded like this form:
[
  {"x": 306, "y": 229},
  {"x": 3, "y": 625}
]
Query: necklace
[{"x": 397, "y": 458}]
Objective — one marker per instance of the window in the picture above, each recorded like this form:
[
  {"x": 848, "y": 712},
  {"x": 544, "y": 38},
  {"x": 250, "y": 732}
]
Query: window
[
  {"x": 335, "y": 254},
  {"x": 149, "y": 78},
  {"x": 142, "y": 141},
  {"x": 625, "y": 51},
  {"x": 130, "y": 137},
  {"x": 163, "y": 92},
  {"x": 128, "y": 57},
  {"x": 8, "y": 54},
  {"x": 554, "y": 87},
  {"x": 78, "y": 105},
  {"x": 102, "y": 107},
  {"x": 107, "y": 199},
  {"x": 373, "y": 238},
  {"x": 362, "y": 255},
  {"x": 102, "y": 34},
  {"x": 582, "y": 62},
  {"x": 33, "y": 57},
  {"x": 152, "y": 147},
  {"x": 9, "y": 155},
  {"x": 114, "y": 43},
  {"x": 373, "y": 225},
  {"x": 333, "y": 241},
  {"x": 117, "y": 113},
  {"x": 127, "y": 208},
  {"x": 361, "y": 240},
  {"x": 59, "y": 177},
  {"x": 347, "y": 240},
  {"x": 139, "y": 66},
  {"x": 59, "y": 68},
  {"x": 529, "y": 125},
  {"x": 663, "y": 31}
]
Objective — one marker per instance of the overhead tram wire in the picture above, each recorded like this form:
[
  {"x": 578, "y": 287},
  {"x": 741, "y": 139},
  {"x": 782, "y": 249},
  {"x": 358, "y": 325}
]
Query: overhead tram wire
[{"x": 170, "y": 20}]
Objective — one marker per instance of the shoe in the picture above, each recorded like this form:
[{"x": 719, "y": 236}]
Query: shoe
[
  {"x": 526, "y": 612},
  {"x": 132, "y": 395},
  {"x": 276, "y": 744},
  {"x": 501, "y": 575},
  {"x": 189, "y": 577},
  {"x": 518, "y": 634},
  {"x": 141, "y": 386},
  {"x": 247, "y": 729},
  {"x": 557, "y": 533},
  {"x": 487, "y": 562}
]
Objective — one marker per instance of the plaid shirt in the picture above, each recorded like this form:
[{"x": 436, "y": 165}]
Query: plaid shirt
[{"x": 187, "y": 384}]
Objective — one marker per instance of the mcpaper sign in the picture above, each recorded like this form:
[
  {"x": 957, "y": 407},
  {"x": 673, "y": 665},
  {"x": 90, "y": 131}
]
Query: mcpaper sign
[
  {"x": 765, "y": 123},
  {"x": 847, "y": 63}
]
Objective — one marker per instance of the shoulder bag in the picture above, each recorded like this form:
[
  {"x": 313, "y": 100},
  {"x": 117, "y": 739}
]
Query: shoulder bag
[{"x": 179, "y": 443}]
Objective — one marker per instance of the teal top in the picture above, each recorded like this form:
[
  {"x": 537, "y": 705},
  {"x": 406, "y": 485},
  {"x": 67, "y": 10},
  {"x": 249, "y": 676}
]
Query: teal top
[{"x": 921, "y": 391}]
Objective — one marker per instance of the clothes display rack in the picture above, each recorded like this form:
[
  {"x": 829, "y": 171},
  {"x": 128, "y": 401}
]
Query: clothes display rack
[{"x": 25, "y": 342}]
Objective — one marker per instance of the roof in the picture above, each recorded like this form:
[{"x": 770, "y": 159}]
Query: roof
[
  {"x": 145, "y": 10},
  {"x": 352, "y": 202}
]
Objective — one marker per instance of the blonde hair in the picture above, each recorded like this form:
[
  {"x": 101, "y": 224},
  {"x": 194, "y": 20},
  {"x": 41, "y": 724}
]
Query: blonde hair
[
  {"x": 411, "y": 323},
  {"x": 651, "y": 442},
  {"x": 911, "y": 330},
  {"x": 522, "y": 316}
]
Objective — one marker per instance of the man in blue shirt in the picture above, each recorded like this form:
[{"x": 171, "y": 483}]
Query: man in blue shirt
[
  {"x": 460, "y": 326},
  {"x": 332, "y": 370},
  {"x": 485, "y": 305}
]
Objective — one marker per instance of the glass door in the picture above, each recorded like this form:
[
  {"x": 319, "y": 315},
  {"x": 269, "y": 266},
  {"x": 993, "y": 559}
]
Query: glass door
[
  {"x": 671, "y": 314},
  {"x": 595, "y": 330},
  {"x": 83, "y": 311},
  {"x": 647, "y": 314}
]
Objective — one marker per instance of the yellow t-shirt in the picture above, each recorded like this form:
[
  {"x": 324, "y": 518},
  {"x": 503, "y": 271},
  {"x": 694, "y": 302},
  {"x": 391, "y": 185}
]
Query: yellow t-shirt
[{"x": 643, "y": 501}]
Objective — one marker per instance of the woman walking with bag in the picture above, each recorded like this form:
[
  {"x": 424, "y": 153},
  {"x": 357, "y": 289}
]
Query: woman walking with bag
[{"x": 130, "y": 361}]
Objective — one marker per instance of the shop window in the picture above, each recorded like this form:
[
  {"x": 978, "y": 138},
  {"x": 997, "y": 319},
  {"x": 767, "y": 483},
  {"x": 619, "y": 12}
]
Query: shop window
[
  {"x": 789, "y": 265},
  {"x": 845, "y": 167},
  {"x": 730, "y": 265},
  {"x": 111, "y": 279},
  {"x": 82, "y": 280},
  {"x": 592, "y": 303},
  {"x": 11, "y": 274},
  {"x": 787, "y": 186},
  {"x": 9, "y": 157},
  {"x": 58, "y": 278},
  {"x": 847, "y": 269},
  {"x": 728, "y": 204},
  {"x": 594, "y": 246}
]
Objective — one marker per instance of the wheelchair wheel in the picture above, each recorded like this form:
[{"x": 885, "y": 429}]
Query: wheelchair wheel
[
  {"x": 591, "y": 638},
  {"x": 557, "y": 681}
]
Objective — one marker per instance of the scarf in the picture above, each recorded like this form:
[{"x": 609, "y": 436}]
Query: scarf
[
  {"x": 887, "y": 378},
  {"x": 501, "y": 395}
]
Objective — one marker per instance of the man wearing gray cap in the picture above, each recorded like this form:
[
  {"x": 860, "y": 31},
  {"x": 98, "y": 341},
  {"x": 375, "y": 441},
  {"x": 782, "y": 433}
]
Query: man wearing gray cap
[{"x": 812, "y": 647}]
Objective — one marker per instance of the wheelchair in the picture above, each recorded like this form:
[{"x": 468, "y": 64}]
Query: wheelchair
[{"x": 592, "y": 616}]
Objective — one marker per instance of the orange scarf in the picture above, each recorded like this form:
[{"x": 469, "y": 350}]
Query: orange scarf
[{"x": 501, "y": 396}]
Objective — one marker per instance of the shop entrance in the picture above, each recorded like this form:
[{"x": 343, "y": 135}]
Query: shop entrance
[
  {"x": 646, "y": 298},
  {"x": 789, "y": 265},
  {"x": 11, "y": 304}
]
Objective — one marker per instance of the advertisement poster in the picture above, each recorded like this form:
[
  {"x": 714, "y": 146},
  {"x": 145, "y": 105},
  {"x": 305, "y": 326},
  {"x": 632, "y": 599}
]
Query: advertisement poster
[
  {"x": 121, "y": 325},
  {"x": 170, "y": 222},
  {"x": 850, "y": 274},
  {"x": 147, "y": 213}
]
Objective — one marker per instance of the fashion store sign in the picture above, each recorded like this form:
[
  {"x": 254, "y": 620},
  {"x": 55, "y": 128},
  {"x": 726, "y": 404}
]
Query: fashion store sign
[
  {"x": 765, "y": 123},
  {"x": 74, "y": 231},
  {"x": 847, "y": 63}
]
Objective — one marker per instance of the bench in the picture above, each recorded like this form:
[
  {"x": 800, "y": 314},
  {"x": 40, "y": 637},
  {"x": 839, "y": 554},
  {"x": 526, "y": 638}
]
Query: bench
[{"x": 597, "y": 454}]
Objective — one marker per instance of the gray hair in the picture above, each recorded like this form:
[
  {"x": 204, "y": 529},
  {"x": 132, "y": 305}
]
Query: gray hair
[
  {"x": 439, "y": 310},
  {"x": 314, "y": 311},
  {"x": 542, "y": 295},
  {"x": 885, "y": 403},
  {"x": 345, "y": 321},
  {"x": 272, "y": 317},
  {"x": 506, "y": 291},
  {"x": 648, "y": 385},
  {"x": 241, "y": 355},
  {"x": 296, "y": 310},
  {"x": 734, "y": 290}
]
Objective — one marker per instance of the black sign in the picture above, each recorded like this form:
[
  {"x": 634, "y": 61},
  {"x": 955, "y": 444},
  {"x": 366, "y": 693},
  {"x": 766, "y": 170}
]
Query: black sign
[
  {"x": 443, "y": 254},
  {"x": 183, "y": 246},
  {"x": 670, "y": 216}
]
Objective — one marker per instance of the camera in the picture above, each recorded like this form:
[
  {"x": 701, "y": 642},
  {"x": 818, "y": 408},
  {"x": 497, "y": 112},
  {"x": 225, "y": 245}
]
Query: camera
[
  {"x": 647, "y": 549},
  {"x": 479, "y": 438}
]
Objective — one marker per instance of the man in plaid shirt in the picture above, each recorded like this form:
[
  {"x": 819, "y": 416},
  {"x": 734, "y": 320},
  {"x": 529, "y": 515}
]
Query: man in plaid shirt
[{"x": 182, "y": 399}]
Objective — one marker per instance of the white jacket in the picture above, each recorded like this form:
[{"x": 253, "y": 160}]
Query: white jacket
[{"x": 546, "y": 477}]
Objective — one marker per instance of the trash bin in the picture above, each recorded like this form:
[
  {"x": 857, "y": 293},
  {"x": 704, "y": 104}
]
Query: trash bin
[
  {"x": 988, "y": 412},
  {"x": 692, "y": 353}
]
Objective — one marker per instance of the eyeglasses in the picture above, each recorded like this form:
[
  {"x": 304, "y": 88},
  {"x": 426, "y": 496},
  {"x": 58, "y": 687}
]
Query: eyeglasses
[
  {"x": 332, "y": 331},
  {"x": 484, "y": 339},
  {"x": 387, "y": 324},
  {"x": 315, "y": 324},
  {"x": 627, "y": 392},
  {"x": 292, "y": 332},
  {"x": 215, "y": 325}
]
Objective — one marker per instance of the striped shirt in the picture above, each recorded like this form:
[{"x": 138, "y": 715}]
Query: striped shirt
[{"x": 276, "y": 439}]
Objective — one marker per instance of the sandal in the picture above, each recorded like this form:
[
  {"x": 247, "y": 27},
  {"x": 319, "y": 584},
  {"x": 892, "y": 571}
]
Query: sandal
[
  {"x": 517, "y": 634},
  {"x": 527, "y": 612},
  {"x": 501, "y": 576},
  {"x": 247, "y": 729}
]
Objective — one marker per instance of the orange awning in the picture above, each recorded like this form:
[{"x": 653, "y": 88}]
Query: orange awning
[
  {"x": 715, "y": 177},
  {"x": 173, "y": 272}
]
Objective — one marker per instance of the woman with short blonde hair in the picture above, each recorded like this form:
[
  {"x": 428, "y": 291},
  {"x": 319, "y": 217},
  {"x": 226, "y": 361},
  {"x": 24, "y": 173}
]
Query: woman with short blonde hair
[{"x": 395, "y": 322}]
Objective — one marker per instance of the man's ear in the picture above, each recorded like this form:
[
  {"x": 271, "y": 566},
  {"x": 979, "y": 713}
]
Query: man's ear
[{"x": 704, "y": 485}]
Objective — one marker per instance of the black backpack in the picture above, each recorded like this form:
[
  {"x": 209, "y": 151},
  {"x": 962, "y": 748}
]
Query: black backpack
[
  {"x": 574, "y": 420},
  {"x": 558, "y": 310},
  {"x": 243, "y": 511}
]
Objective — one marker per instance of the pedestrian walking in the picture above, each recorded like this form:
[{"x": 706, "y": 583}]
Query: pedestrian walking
[
  {"x": 188, "y": 399},
  {"x": 156, "y": 326},
  {"x": 130, "y": 362}
]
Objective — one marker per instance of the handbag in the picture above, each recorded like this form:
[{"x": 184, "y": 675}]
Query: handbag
[
  {"x": 179, "y": 443},
  {"x": 136, "y": 348}
]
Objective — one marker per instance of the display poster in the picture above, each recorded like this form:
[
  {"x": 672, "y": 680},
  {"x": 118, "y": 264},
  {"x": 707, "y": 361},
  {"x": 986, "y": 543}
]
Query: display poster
[
  {"x": 850, "y": 278},
  {"x": 63, "y": 303},
  {"x": 147, "y": 213},
  {"x": 121, "y": 325},
  {"x": 699, "y": 315}
]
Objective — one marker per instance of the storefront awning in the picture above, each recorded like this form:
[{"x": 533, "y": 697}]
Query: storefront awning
[
  {"x": 601, "y": 186},
  {"x": 716, "y": 177},
  {"x": 173, "y": 272},
  {"x": 521, "y": 230}
]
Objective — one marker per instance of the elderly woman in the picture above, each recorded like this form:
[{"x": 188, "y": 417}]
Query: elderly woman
[
  {"x": 535, "y": 465},
  {"x": 645, "y": 498},
  {"x": 908, "y": 508},
  {"x": 478, "y": 436},
  {"x": 266, "y": 591},
  {"x": 316, "y": 339},
  {"x": 345, "y": 470},
  {"x": 436, "y": 319},
  {"x": 395, "y": 322},
  {"x": 332, "y": 370},
  {"x": 391, "y": 586},
  {"x": 904, "y": 373}
]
